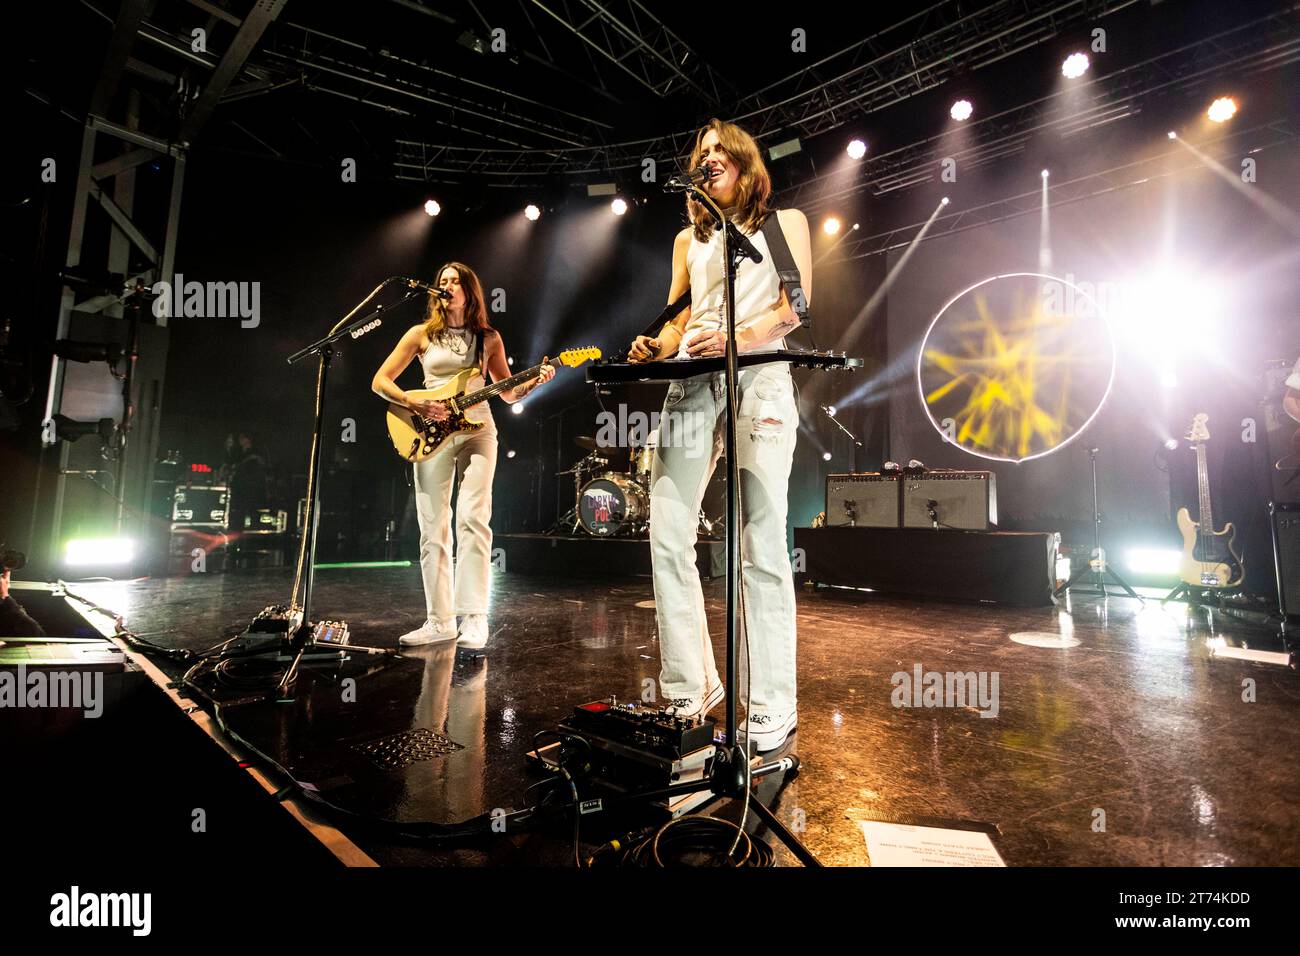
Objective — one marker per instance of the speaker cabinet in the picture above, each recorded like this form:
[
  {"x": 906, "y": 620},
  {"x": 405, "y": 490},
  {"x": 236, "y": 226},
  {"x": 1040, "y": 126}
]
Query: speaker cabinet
[
  {"x": 863, "y": 500},
  {"x": 1286, "y": 555},
  {"x": 966, "y": 500}
]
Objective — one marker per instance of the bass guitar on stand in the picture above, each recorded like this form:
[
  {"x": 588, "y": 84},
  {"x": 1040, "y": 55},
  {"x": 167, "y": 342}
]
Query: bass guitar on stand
[{"x": 1210, "y": 559}]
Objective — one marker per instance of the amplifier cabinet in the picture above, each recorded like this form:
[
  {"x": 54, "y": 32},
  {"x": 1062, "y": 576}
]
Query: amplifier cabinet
[
  {"x": 965, "y": 500},
  {"x": 1286, "y": 554},
  {"x": 863, "y": 500}
]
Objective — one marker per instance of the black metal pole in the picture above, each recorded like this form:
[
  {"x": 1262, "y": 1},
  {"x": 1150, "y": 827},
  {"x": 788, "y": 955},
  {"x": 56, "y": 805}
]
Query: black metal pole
[
  {"x": 735, "y": 596},
  {"x": 1100, "y": 567},
  {"x": 313, "y": 487}
]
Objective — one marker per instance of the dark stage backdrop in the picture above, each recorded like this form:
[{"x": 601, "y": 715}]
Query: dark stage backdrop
[
  {"x": 1213, "y": 233},
  {"x": 577, "y": 277}
]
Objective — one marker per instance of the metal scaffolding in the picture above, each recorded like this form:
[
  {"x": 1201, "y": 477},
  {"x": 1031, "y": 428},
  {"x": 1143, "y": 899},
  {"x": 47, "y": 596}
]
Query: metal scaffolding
[
  {"x": 1269, "y": 42},
  {"x": 1164, "y": 164},
  {"x": 914, "y": 55},
  {"x": 110, "y": 184}
]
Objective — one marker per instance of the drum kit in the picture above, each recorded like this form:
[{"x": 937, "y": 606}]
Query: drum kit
[{"x": 615, "y": 502}]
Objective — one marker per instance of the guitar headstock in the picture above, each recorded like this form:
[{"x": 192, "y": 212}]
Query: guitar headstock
[
  {"x": 575, "y": 357},
  {"x": 1198, "y": 432}
]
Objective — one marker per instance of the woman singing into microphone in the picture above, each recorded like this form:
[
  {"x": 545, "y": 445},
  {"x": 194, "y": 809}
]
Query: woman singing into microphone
[
  {"x": 691, "y": 438},
  {"x": 454, "y": 336}
]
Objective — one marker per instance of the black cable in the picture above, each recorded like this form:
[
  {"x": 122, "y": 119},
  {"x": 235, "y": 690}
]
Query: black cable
[{"x": 721, "y": 842}]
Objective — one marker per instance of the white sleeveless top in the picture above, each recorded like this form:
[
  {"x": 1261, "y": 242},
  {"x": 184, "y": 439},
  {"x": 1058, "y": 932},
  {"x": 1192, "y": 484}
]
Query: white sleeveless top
[
  {"x": 758, "y": 288},
  {"x": 448, "y": 354}
]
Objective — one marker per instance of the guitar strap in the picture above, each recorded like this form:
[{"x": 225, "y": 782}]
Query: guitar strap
[
  {"x": 478, "y": 353},
  {"x": 786, "y": 270}
]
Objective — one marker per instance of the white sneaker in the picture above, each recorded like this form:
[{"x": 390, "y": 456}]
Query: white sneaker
[
  {"x": 430, "y": 632},
  {"x": 769, "y": 731},
  {"x": 473, "y": 632},
  {"x": 693, "y": 707}
]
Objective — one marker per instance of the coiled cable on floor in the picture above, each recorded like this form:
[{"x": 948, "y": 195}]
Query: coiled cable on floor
[{"x": 699, "y": 841}]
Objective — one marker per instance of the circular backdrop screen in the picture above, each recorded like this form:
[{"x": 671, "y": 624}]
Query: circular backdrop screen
[{"x": 1016, "y": 366}]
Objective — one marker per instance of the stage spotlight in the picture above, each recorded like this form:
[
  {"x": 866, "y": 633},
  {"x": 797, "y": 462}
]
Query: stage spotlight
[
  {"x": 510, "y": 361},
  {"x": 618, "y": 206},
  {"x": 99, "y": 551},
  {"x": 532, "y": 213},
  {"x": 943, "y": 201},
  {"x": 1046, "y": 173},
  {"x": 830, "y": 410},
  {"x": 826, "y": 456},
  {"x": 1154, "y": 561},
  {"x": 1075, "y": 65},
  {"x": 1222, "y": 109},
  {"x": 831, "y": 226},
  {"x": 961, "y": 110},
  {"x": 1172, "y": 135},
  {"x": 517, "y": 408},
  {"x": 1171, "y": 444},
  {"x": 510, "y": 453},
  {"x": 855, "y": 225},
  {"x": 857, "y": 149},
  {"x": 432, "y": 208}
]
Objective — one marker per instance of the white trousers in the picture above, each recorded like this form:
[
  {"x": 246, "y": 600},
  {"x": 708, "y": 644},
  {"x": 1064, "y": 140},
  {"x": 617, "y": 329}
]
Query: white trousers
[
  {"x": 470, "y": 457},
  {"x": 691, "y": 439}
]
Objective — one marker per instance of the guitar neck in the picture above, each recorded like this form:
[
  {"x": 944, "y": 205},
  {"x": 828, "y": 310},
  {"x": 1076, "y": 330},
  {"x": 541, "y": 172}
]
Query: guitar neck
[
  {"x": 1203, "y": 491},
  {"x": 496, "y": 388}
]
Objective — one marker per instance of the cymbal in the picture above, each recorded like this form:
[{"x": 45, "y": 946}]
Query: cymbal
[{"x": 589, "y": 443}]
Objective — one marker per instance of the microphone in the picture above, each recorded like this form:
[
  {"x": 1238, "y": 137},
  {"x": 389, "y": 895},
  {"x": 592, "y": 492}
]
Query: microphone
[
  {"x": 741, "y": 241},
  {"x": 702, "y": 174},
  {"x": 697, "y": 176},
  {"x": 425, "y": 287}
]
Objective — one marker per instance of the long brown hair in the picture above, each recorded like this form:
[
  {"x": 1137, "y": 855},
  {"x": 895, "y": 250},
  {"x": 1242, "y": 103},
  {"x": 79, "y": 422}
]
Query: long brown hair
[
  {"x": 435, "y": 318},
  {"x": 753, "y": 184}
]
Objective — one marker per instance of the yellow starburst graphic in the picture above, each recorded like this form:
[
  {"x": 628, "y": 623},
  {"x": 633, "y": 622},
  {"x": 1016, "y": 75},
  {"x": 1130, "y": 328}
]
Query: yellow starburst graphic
[{"x": 1006, "y": 377}]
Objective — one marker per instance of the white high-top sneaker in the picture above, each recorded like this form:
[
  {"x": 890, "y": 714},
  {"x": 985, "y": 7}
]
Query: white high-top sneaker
[
  {"x": 430, "y": 632},
  {"x": 694, "y": 706},
  {"x": 770, "y": 731},
  {"x": 473, "y": 632}
]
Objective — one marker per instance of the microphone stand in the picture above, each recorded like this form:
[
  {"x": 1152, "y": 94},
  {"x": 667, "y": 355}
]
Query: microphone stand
[
  {"x": 1097, "y": 568},
  {"x": 298, "y": 635}
]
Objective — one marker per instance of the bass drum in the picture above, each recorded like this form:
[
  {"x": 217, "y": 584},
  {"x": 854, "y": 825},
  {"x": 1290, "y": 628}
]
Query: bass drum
[{"x": 613, "y": 504}]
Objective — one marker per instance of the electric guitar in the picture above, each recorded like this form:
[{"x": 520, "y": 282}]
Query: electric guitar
[
  {"x": 1210, "y": 558},
  {"x": 417, "y": 438}
]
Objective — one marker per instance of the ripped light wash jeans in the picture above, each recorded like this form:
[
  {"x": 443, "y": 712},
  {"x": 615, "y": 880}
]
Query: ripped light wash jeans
[{"x": 691, "y": 439}]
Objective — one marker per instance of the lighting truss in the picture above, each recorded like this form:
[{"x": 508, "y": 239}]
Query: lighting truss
[
  {"x": 1266, "y": 43},
  {"x": 1171, "y": 162}
]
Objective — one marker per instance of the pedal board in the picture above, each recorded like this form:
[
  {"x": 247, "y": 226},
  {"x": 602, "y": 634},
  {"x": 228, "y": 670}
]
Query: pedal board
[{"x": 632, "y": 748}]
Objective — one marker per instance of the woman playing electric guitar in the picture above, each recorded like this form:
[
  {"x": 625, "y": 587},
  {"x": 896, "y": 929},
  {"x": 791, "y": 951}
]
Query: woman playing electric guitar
[{"x": 454, "y": 336}]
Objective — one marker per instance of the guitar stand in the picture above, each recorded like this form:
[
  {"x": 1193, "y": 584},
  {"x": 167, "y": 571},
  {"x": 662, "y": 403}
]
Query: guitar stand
[
  {"x": 1194, "y": 596},
  {"x": 1204, "y": 596}
]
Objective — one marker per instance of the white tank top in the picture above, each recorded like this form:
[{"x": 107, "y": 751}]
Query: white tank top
[
  {"x": 451, "y": 352},
  {"x": 758, "y": 288}
]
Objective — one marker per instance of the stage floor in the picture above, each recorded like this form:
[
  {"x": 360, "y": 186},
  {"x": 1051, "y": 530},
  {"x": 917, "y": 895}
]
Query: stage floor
[{"x": 1194, "y": 759}]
